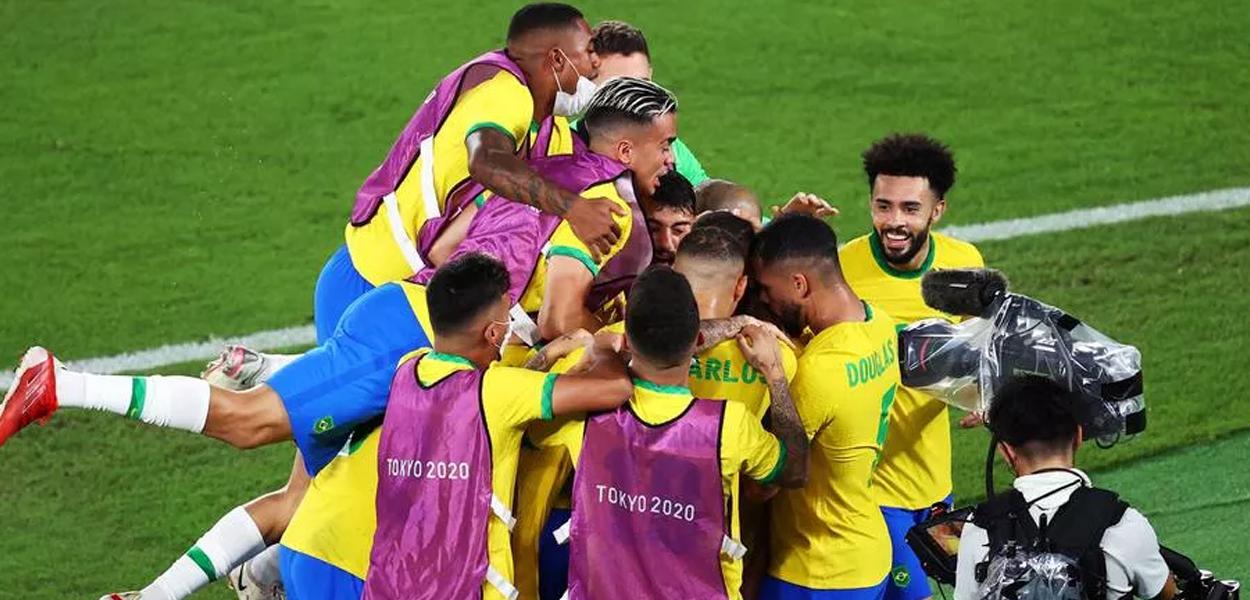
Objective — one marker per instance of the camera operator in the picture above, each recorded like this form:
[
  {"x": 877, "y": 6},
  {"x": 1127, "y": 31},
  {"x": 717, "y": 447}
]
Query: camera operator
[{"x": 1037, "y": 428}]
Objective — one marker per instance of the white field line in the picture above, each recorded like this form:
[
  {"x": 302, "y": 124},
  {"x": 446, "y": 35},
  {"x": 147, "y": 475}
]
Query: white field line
[
  {"x": 995, "y": 230},
  {"x": 169, "y": 354},
  {"x": 1103, "y": 215}
]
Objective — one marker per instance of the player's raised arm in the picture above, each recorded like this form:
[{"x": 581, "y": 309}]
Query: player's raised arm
[
  {"x": 492, "y": 163},
  {"x": 761, "y": 349}
]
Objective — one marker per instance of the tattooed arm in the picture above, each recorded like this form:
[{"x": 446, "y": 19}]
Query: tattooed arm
[
  {"x": 494, "y": 164},
  {"x": 559, "y": 348},
  {"x": 763, "y": 352},
  {"x": 715, "y": 331}
]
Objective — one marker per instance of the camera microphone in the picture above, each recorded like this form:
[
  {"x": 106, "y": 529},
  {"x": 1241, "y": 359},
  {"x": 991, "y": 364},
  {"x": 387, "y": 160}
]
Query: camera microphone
[{"x": 964, "y": 292}]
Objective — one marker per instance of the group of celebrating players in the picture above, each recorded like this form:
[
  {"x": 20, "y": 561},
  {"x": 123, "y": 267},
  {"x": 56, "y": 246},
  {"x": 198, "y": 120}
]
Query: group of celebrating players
[{"x": 553, "y": 357}]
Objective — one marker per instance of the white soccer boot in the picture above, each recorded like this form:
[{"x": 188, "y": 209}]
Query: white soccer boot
[
  {"x": 237, "y": 368},
  {"x": 242, "y": 582}
]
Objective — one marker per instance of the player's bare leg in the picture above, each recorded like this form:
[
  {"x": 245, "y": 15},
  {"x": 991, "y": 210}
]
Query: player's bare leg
[{"x": 245, "y": 419}]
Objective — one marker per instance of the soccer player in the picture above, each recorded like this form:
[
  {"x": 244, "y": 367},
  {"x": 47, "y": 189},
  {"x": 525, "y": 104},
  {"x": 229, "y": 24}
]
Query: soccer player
[
  {"x": 474, "y": 127},
  {"x": 829, "y": 539},
  {"x": 712, "y": 258},
  {"x": 673, "y": 450},
  {"x": 323, "y": 396},
  {"x": 623, "y": 52},
  {"x": 448, "y": 449},
  {"x": 669, "y": 217},
  {"x": 909, "y": 177}
]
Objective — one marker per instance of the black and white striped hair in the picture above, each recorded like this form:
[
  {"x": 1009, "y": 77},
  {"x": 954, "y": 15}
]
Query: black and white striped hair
[{"x": 627, "y": 100}]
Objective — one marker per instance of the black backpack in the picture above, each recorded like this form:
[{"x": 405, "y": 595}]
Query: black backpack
[{"x": 1070, "y": 543}]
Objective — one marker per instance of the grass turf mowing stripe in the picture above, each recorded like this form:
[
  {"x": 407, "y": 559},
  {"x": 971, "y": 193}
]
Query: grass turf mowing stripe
[{"x": 996, "y": 230}]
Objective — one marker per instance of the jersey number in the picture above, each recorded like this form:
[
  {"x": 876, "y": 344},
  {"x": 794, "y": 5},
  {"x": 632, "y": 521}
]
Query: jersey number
[{"x": 883, "y": 427}]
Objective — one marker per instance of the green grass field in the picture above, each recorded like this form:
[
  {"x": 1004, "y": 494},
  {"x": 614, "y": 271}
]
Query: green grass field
[{"x": 178, "y": 170}]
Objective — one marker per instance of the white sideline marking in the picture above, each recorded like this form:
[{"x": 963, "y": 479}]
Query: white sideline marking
[
  {"x": 995, "y": 230},
  {"x": 1103, "y": 215},
  {"x": 142, "y": 360}
]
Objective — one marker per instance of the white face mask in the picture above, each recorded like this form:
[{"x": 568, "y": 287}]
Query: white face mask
[{"x": 571, "y": 105}]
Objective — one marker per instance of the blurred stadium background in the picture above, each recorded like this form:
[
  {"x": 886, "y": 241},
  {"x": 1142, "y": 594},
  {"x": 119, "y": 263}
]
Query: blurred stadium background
[{"x": 175, "y": 171}]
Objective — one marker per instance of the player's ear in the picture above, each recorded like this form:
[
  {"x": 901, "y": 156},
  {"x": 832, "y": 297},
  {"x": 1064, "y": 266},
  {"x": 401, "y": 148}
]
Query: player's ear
[
  {"x": 1076, "y": 444},
  {"x": 625, "y": 151},
  {"x": 556, "y": 58},
  {"x": 939, "y": 209},
  {"x": 740, "y": 289},
  {"x": 802, "y": 287}
]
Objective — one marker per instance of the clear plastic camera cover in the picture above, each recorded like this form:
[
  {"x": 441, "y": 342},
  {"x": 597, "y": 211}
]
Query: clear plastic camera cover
[
  {"x": 1028, "y": 575},
  {"x": 965, "y": 364}
]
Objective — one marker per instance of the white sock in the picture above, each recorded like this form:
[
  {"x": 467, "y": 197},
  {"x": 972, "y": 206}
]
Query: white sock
[
  {"x": 264, "y": 567},
  {"x": 177, "y": 402},
  {"x": 232, "y": 540}
]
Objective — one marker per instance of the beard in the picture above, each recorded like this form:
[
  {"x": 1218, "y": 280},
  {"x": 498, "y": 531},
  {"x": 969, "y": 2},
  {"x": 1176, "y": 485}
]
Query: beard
[
  {"x": 916, "y": 242},
  {"x": 789, "y": 317}
]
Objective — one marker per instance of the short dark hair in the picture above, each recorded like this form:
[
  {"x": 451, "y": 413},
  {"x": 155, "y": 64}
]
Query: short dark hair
[
  {"x": 541, "y": 15},
  {"x": 718, "y": 235},
  {"x": 619, "y": 37},
  {"x": 627, "y": 101},
  {"x": 661, "y": 317},
  {"x": 462, "y": 289},
  {"x": 912, "y": 155},
  {"x": 674, "y": 192},
  {"x": 796, "y": 237},
  {"x": 1032, "y": 410}
]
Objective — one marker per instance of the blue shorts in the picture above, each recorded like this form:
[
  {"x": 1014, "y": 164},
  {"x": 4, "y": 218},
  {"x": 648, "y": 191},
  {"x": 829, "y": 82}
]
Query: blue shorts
[
  {"x": 553, "y": 558},
  {"x": 308, "y": 578},
  {"x": 775, "y": 589},
  {"x": 338, "y": 286},
  {"x": 908, "y": 580},
  {"x": 345, "y": 382}
]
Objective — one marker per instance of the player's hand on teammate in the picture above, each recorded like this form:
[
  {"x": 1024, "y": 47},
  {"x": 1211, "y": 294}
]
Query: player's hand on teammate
[
  {"x": 594, "y": 223},
  {"x": 971, "y": 420},
  {"x": 803, "y": 203},
  {"x": 762, "y": 350},
  {"x": 771, "y": 329},
  {"x": 599, "y": 345},
  {"x": 567, "y": 343}
]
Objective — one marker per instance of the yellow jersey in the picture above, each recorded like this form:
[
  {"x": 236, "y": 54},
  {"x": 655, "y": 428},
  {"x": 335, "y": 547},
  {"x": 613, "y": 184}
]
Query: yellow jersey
[
  {"x": 723, "y": 372},
  {"x": 915, "y": 469},
  {"x": 746, "y": 449},
  {"x": 502, "y": 103},
  {"x": 830, "y": 534}
]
